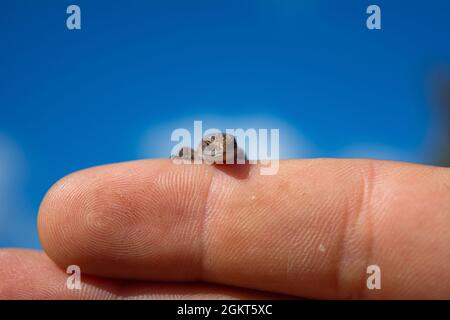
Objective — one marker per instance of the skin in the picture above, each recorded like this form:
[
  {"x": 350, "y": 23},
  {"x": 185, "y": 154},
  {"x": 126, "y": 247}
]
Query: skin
[{"x": 152, "y": 229}]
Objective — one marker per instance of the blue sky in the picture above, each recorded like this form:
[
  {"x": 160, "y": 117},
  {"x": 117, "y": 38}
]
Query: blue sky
[{"x": 114, "y": 90}]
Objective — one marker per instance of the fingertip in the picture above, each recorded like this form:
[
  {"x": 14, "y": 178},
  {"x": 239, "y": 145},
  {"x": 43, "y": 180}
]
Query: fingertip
[{"x": 107, "y": 218}]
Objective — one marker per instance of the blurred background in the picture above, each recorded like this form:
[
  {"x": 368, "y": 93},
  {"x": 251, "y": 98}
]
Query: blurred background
[{"x": 114, "y": 90}]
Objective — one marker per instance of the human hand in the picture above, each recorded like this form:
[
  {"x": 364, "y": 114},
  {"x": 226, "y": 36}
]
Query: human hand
[{"x": 152, "y": 229}]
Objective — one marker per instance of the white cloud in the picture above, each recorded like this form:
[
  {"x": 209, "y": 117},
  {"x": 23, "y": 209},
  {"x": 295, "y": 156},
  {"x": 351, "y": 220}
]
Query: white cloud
[
  {"x": 156, "y": 142},
  {"x": 17, "y": 223}
]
